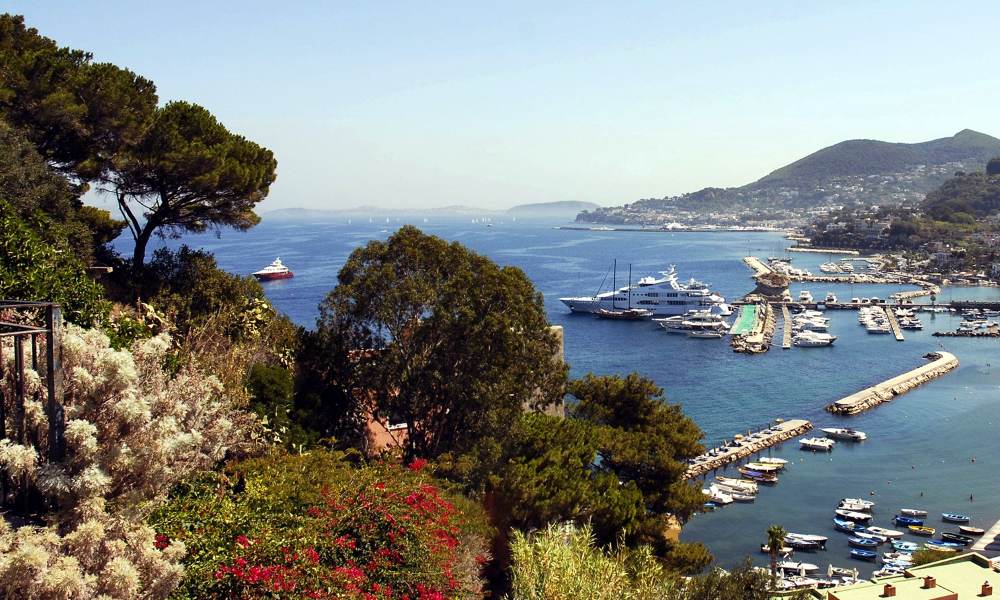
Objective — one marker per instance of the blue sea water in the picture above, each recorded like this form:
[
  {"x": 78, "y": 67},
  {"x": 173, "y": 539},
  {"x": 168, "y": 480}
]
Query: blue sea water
[{"x": 921, "y": 446}]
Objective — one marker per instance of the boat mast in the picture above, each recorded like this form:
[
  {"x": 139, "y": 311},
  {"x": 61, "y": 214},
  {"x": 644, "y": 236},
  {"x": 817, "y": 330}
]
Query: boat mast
[
  {"x": 629, "y": 288},
  {"x": 614, "y": 284}
]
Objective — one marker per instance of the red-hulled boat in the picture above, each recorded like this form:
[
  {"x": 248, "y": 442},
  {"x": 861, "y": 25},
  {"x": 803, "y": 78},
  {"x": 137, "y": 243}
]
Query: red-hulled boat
[{"x": 275, "y": 270}]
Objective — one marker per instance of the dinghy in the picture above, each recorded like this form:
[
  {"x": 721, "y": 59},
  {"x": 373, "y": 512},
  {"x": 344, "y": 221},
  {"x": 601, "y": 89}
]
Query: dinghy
[
  {"x": 868, "y": 504},
  {"x": 921, "y": 530},
  {"x": 845, "y": 525},
  {"x": 891, "y": 534},
  {"x": 851, "y": 515},
  {"x": 908, "y": 521},
  {"x": 969, "y": 530},
  {"x": 862, "y": 554},
  {"x": 855, "y": 506},
  {"x": 958, "y": 538},
  {"x": 913, "y": 512},
  {"x": 858, "y": 542},
  {"x": 905, "y": 546},
  {"x": 955, "y": 518},
  {"x": 942, "y": 547},
  {"x": 791, "y": 565}
]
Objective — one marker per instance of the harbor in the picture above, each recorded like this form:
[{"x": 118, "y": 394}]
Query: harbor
[
  {"x": 744, "y": 446},
  {"x": 941, "y": 363}
]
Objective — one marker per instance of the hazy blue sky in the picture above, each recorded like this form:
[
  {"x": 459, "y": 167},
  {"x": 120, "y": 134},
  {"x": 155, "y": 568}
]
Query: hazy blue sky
[{"x": 493, "y": 104}]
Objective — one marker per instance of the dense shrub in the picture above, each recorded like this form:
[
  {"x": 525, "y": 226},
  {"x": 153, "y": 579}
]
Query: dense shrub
[
  {"x": 315, "y": 526},
  {"x": 132, "y": 431},
  {"x": 34, "y": 269}
]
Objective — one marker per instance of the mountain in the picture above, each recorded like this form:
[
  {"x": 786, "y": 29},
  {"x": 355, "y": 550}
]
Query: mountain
[
  {"x": 850, "y": 172},
  {"x": 872, "y": 157},
  {"x": 563, "y": 208}
]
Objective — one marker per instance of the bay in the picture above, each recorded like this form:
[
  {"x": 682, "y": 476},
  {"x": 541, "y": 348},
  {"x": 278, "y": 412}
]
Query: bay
[{"x": 921, "y": 446}]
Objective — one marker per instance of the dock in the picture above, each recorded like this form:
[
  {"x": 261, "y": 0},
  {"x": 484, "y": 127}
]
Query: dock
[
  {"x": 941, "y": 363},
  {"x": 988, "y": 544},
  {"x": 822, "y": 250},
  {"x": 749, "y": 446},
  {"x": 890, "y": 315},
  {"x": 786, "y": 328},
  {"x": 757, "y": 266}
]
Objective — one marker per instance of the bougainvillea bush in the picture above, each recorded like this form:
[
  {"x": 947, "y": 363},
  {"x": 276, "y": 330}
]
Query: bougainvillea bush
[{"x": 316, "y": 526}]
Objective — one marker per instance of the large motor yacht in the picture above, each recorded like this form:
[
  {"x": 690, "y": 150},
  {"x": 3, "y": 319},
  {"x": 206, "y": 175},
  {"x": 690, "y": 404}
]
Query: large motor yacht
[{"x": 662, "y": 296}]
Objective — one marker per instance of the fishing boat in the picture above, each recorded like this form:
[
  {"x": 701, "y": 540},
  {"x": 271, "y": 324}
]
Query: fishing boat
[
  {"x": 907, "y": 521},
  {"x": 897, "y": 557},
  {"x": 905, "y": 546},
  {"x": 958, "y": 538},
  {"x": 767, "y": 460},
  {"x": 969, "y": 530},
  {"x": 846, "y": 526},
  {"x": 799, "y": 544},
  {"x": 942, "y": 547},
  {"x": 763, "y": 467},
  {"x": 955, "y": 518},
  {"x": 749, "y": 487},
  {"x": 717, "y": 495},
  {"x": 851, "y": 515},
  {"x": 868, "y": 504},
  {"x": 842, "y": 433},
  {"x": 891, "y": 534},
  {"x": 814, "y": 444},
  {"x": 865, "y": 534},
  {"x": 858, "y": 542},
  {"x": 913, "y": 512},
  {"x": 862, "y": 554},
  {"x": 740, "y": 497},
  {"x": 758, "y": 476},
  {"x": 921, "y": 530}
]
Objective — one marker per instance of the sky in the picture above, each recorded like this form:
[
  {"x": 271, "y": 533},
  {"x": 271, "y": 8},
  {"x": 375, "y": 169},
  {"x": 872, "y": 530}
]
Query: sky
[{"x": 492, "y": 104}]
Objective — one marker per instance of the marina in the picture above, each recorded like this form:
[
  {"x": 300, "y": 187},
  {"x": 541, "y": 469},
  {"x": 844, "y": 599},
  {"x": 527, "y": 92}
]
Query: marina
[
  {"x": 941, "y": 363},
  {"x": 742, "y": 447}
]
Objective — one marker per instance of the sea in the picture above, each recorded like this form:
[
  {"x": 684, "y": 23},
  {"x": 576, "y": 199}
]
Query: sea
[{"x": 934, "y": 448}]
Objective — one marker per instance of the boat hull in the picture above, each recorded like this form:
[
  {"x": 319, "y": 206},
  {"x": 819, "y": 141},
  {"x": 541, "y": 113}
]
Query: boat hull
[{"x": 273, "y": 276}]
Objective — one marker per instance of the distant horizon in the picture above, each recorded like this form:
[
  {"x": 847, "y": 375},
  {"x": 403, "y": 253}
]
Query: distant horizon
[{"x": 408, "y": 105}]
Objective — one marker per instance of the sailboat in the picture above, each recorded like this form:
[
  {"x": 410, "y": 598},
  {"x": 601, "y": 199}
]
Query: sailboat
[{"x": 629, "y": 314}]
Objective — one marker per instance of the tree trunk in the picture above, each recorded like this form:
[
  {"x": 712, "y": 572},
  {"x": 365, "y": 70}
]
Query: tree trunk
[{"x": 139, "y": 253}]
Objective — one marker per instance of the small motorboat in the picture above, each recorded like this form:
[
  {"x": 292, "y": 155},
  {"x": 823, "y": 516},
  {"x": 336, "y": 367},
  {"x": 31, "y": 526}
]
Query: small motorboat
[
  {"x": 705, "y": 335},
  {"x": 764, "y": 467},
  {"x": 629, "y": 314},
  {"x": 800, "y": 544},
  {"x": 891, "y": 534},
  {"x": 912, "y": 512},
  {"x": 747, "y": 486},
  {"x": 851, "y": 515},
  {"x": 957, "y": 538},
  {"x": 942, "y": 546},
  {"x": 969, "y": 530},
  {"x": 888, "y": 572},
  {"x": 862, "y": 554},
  {"x": 908, "y": 521},
  {"x": 905, "y": 546},
  {"x": 767, "y": 460},
  {"x": 955, "y": 518},
  {"x": 921, "y": 530},
  {"x": 740, "y": 497},
  {"x": 858, "y": 542},
  {"x": 856, "y": 506},
  {"x": 821, "y": 444},
  {"x": 898, "y": 557},
  {"x": 868, "y": 504},
  {"x": 846, "y": 526},
  {"x": 791, "y": 565},
  {"x": 833, "y": 571},
  {"x": 784, "y": 550},
  {"x": 758, "y": 476},
  {"x": 842, "y": 433},
  {"x": 819, "y": 539},
  {"x": 866, "y": 534}
]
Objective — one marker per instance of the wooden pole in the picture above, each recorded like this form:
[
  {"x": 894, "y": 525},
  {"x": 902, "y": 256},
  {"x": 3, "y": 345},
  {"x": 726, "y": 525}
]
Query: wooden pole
[{"x": 53, "y": 364}]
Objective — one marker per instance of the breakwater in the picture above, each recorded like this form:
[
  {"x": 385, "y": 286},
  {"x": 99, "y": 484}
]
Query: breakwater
[
  {"x": 743, "y": 447},
  {"x": 993, "y": 331},
  {"x": 822, "y": 250},
  {"x": 941, "y": 363}
]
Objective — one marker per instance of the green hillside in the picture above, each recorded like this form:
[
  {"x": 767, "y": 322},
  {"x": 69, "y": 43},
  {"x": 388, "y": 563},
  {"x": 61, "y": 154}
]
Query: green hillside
[{"x": 873, "y": 157}]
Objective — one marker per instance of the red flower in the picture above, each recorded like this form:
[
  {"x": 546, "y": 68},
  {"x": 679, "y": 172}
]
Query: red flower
[
  {"x": 417, "y": 464},
  {"x": 161, "y": 541},
  {"x": 242, "y": 540}
]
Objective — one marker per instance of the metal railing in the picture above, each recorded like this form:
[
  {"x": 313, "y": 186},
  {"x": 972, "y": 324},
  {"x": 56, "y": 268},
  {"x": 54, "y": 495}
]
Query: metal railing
[{"x": 32, "y": 331}]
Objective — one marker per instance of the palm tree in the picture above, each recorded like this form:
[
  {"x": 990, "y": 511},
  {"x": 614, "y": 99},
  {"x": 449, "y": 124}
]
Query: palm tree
[{"x": 775, "y": 541}]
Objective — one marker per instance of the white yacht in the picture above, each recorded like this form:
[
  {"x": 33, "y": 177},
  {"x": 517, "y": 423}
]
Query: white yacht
[
  {"x": 805, "y": 297},
  {"x": 813, "y": 339},
  {"x": 662, "y": 296},
  {"x": 694, "y": 320},
  {"x": 831, "y": 298},
  {"x": 817, "y": 443}
]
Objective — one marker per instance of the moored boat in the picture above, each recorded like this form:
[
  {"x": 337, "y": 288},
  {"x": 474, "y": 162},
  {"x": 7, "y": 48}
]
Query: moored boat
[
  {"x": 921, "y": 530},
  {"x": 791, "y": 565},
  {"x": 628, "y": 314},
  {"x": 851, "y": 515},
  {"x": 749, "y": 487},
  {"x": 905, "y": 546},
  {"x": 958, "y": 538},
  {"x": 767, "y": 460},
  {"x": 969, "y": 530},
  {"x": 757, "y": 475},
  {"x": 942, "y": 547},
  {"x": 842, "y": 433},
  {"x": 847, "y": 505},
  {"x": 816, "y": 443},
  {"x": 891, "y": 534},
  {"x": 764, "y": 467},
  {"x": 907, "y": 521},
  {"x": 858, "y": 542},
  {"x": 955, "y": 518},
  {"x": 862, "y": 554},
  {"x": 913, "y": 512},
  {"x": 868, "y": 504},
  {"x": 846, "y": 526}
]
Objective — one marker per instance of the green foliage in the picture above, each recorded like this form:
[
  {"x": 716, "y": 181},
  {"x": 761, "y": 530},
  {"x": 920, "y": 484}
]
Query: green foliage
[
  {"x": 964, "y": 198},
  {"x": 775, "y": 542},
  {"x": 188, "y": 174},
  {"x": 562, "y": 562},
  {"x": 993, "y": 166},
  {"x": 315, "y": 522},
  {"x": 926, "y": 555},
  {"x": 124, "y": 330},
  {"x": 77, "y": 113},
  {"x": 454, "y": 345},
  {"x": 188, "y": 287},
  {"x": 271, "y": 389},
  {"x": 326, "y": 405},
  {"x": 33, "y": 269}
]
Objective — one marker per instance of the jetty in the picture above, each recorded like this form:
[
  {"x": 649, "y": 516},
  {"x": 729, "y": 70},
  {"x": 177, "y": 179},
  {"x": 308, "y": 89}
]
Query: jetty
[
  {"x": 941, "y": 363},
  {"x": 993, "y": 331},
  {"x": 744, "y": 446},
  {"x": 989, "y": 542},
  {"x": 786, "y": 328},
  {"x": 757, "y": 266},
  {"x": 890, "y": 315},
  {"x": 821, "y": 250}
]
